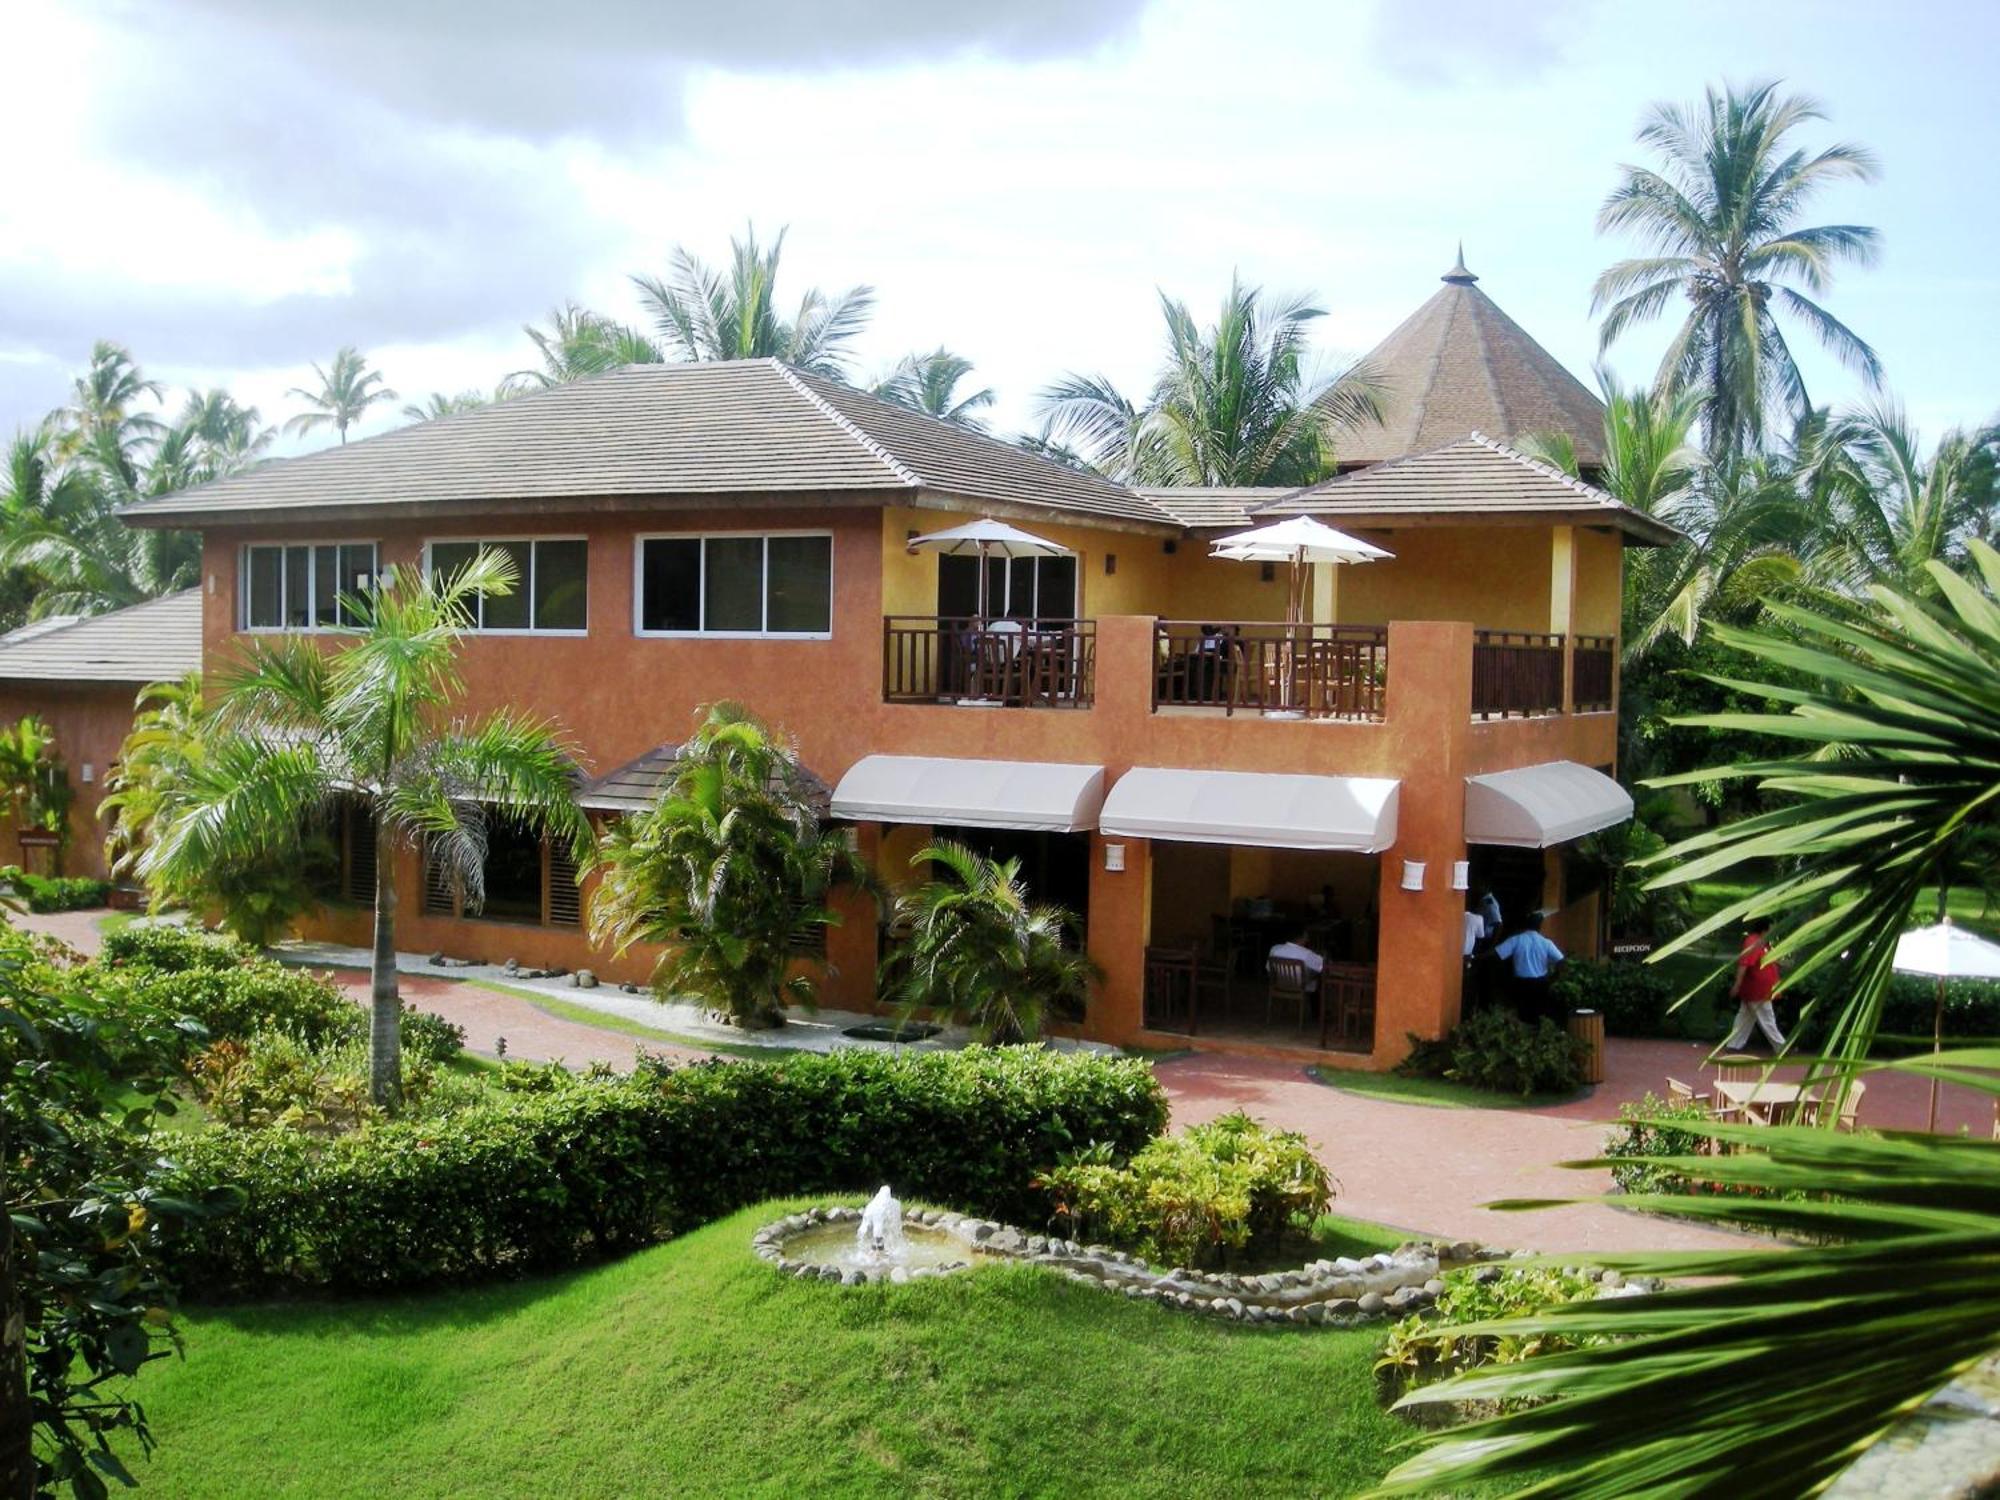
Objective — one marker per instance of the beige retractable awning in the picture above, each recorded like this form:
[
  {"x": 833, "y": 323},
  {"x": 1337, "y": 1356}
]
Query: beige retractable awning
[
  {"x": 1031, "y": 795},
  {"x": 1533, "y": 807},
  {"x": 1353, "y": 814}
]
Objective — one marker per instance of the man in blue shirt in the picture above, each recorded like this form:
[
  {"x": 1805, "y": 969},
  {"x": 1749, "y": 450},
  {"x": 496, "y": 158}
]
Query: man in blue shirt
[{"x": 1533, "y": 960}]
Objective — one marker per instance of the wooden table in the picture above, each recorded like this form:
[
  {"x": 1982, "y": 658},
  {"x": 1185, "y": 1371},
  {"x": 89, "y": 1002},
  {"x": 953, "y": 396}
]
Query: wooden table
[{"x": 1763, "y": 1101}]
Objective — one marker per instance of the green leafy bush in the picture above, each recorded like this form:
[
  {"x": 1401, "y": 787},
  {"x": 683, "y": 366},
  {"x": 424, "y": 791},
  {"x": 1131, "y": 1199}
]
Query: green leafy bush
[
  {"x": 1228, "y": 1188},
  {"x": 273, "y": 1078},
  {"x": 1644, "y": 1134},
  {"x": 1971, "y": 1011},
  {"x": 173, "y": 949},
  {"x": 533, "y": 1181},
  {"x": 1426, "y": 1347},
  {"x": 43, "y": 893},
  {"x": 1495, "y": 1049},
  {"x": 427, "y": 1036},
  {"x": 1632, "y": 998}
]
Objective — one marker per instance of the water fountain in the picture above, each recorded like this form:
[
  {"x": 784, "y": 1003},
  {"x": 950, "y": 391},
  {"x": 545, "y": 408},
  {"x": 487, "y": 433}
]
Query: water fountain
[
  {"x": 880, "y": 1237},
  {"x": 875, "y": 1243}
]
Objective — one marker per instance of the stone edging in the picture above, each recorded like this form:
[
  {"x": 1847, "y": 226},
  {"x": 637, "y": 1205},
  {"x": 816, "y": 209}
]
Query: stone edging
[{"x": 1335, "y": 1293}]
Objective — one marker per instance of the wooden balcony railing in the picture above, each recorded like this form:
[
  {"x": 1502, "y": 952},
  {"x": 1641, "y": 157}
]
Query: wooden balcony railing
[
  {"x": 1012, "y": 663},
  {"x": 1314, "y": 671},
  {"x": 1592, "y": 663},
  {"x": 1516, "y": 672}
]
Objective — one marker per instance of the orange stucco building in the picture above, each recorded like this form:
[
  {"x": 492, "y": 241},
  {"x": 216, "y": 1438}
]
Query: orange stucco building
[{"x": 1133, "y": 716}]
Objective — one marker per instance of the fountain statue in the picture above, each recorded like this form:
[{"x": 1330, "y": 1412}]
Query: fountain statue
[{"x": 880, "y": 1236}]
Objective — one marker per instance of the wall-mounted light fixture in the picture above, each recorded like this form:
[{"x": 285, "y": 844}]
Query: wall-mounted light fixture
[
  {"x": 1461, "y": 875},
  {"x": 1170, "y": 546},
  {"x": 89, "y": 773},
  {"x": 1110, "y": 563},
  {"x": 1413, "y": 874},
  {"x": 1114, "y": 858},
  {"x": 1268, "y": 573}
]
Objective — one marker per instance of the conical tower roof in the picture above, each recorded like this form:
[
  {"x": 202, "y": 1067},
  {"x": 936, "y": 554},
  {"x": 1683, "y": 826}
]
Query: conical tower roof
[{"x": 1459, "y": 365}]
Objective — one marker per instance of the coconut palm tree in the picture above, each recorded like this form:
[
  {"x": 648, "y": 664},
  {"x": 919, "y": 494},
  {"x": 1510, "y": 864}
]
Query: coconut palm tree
[
  {"x": 225, "y": 435},
  {"x": 982, "y": 953},
  {"x": 1721, "y": 215},
  {"x": 1770, "y": 1372},
  {"x": 347, "y": 388},
  {"x": 104, "y": 411},
  {"x": 438, "y": 404},
  {"x": 929, "y": 383},
  {"x": 731, "y": 871},
  {"x": 376, "y": 718},
  {"x": 1233, "y": 404},
  {"x": 702, "y": 313},
  {"x": 577, "y": 344}
]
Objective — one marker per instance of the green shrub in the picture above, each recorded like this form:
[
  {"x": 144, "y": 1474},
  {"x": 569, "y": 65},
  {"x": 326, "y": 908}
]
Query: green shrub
[
  {"x": 1645, "y": 1133},
  {"x": 1971, "y": 1012},
  {"x": 44, "y": 893},
  {"x": 274, "y": 1079},
  {"x": 253, "y": 996},
  {"x": 427, "y": 1036},
  {"x": 172, "y": 949},
  {"x": 1228, "y": 1188},
  {"x": 1632, "y": 998},
  {"x": 532, "y": 1181},
  {"x": 1425, "y": 1347},
  {"x": 1495, "y": 1049}
]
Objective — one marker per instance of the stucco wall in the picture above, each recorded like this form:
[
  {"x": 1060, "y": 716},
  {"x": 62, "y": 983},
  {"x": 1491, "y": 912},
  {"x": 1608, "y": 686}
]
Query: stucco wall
[{"x": 90, "y": 721}]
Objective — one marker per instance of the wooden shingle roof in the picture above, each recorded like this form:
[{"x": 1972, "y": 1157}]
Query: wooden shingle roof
[
  {"x": 635, "y": 786},
  {"x": 1475, "y": 477},
  {"x": 658, "y": 431},
  {"x": 1458, "y": 364},
  {"x": 152, "y": 642}
]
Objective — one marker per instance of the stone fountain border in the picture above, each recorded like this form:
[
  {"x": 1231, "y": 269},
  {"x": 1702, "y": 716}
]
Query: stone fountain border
[{"x": 1328, "y": 1293}]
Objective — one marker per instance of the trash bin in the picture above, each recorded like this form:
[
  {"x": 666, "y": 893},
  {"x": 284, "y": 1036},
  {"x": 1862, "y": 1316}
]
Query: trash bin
[{"x": 1586, "y": 1028}]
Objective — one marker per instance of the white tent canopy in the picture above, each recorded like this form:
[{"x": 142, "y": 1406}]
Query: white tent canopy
[
  {"x": 1298, "y": 540},
  {"x": 1353, "y": 814},
  {"x": 1947, "y": 952},
  {"x": 1533, "y": 807},
  {"x": 1029, "y": 795}
]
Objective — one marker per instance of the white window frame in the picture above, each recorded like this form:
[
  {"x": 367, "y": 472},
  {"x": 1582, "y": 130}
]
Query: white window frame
[
  {"x": 312, "y": 575},
  {"x": 701, "y": 590},
  {"x": 525, "y": 586},
  {"x": 1032, "y": 564}
]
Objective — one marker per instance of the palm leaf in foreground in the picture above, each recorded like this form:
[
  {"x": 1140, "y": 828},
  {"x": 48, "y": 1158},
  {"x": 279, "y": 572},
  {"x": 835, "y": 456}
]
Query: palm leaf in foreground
[{"x": 1776, "y": 1369}]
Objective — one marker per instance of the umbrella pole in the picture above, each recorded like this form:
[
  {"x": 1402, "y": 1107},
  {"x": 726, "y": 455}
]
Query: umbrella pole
[{"x": 1937, "y": 1046}]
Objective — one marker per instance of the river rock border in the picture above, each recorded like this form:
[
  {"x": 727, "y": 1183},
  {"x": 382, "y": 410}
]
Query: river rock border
[{"x": 1328, "y": 1293}]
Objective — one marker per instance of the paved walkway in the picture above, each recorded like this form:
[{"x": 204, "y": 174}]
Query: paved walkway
[{"x": 1411, "y": 1166}]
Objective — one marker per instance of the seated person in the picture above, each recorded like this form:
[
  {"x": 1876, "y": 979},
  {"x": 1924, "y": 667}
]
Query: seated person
[{"x": 1297, "y": 949}]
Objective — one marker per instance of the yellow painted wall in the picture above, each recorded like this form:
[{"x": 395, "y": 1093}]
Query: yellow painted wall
[
  {"x": 1600, "y": 560},
  {"x": 1496, "y": 577}
]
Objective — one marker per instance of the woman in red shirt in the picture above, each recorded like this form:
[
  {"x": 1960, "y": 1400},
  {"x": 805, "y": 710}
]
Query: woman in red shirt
[{"x": 1755, "y": 982}]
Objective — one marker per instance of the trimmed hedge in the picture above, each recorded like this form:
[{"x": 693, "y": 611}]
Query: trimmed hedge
[
  {"x": 47, "y": 893},
  {"x": 537, "y": 1181},
  {"x": 1632, "y": 998},
  {"x": 172, "y": 949}
]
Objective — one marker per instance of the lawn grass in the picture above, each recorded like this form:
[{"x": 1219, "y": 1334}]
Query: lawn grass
[
  {"x": 1438, "y": 1093},
  {"x": 693, "y": 1369}
]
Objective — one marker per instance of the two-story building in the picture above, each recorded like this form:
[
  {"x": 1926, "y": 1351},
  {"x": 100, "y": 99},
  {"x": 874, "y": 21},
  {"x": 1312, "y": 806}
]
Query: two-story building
[{"x": 1192, "y": 775}]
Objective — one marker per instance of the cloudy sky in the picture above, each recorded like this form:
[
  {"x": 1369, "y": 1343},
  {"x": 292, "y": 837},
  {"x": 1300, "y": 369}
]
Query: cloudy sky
[{"x": 234, "y": 188}]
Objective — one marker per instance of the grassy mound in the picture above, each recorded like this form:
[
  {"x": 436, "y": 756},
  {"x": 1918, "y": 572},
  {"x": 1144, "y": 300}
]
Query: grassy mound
[{"x": 692, "y": 1368}]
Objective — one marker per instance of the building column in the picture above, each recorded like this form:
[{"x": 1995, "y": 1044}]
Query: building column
[
  {"x": 1428, "y": 715},
  {"x": 851, "y": 954},
  {"x": 1121, "y": 925},
  {"x": 1562, "y": 605}
]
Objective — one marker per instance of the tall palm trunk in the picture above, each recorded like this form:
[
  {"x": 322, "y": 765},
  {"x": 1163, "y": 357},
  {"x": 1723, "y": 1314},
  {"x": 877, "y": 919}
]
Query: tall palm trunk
[{"x": 385, "y": 1038}]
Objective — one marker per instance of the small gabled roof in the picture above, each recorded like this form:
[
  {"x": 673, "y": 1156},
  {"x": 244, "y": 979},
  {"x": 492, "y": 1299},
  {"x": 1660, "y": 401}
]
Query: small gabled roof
[
  {"x": 1201, "y": 506},
  {"x": 1473, "y": 477},
  {"x": 635, "y": 786},
  {"x": 157, "y": 641},
  {"x": 655, "y": 431},
  {"x": 1459, "y": 364}
]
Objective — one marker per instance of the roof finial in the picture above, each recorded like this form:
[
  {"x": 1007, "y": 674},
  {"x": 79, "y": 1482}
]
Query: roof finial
[{"x": 1458, "y": 275}]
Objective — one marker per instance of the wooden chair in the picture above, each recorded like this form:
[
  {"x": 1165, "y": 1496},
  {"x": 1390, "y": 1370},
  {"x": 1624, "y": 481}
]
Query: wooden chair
[
  {"x": 1851, "y": 1107},
  {"x": 1683, "y": 1093},
  {"x": 1288, "y": 981},
  {"x": 1210, "y": 977},
  {"x": 1347, "y": 1005},
  {"x": 1169, "y": 981}
]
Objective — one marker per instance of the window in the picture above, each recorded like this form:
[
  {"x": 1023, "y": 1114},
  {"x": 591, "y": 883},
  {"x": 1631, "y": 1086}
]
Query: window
[
  {"x": 513, "y": 873},
  {"x": 736, "y": 585},
  {"x": 339, "y": 852},
  {"x": 551, "y": 589},
  {"x": 305, "y": 586},
  {"x": 1017, "y": 588}
]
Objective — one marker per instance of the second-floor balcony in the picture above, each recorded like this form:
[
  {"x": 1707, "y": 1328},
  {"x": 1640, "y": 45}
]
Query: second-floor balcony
[
  {"x": 1302, "y": 671},
  {"x": 1031, "y": 663}
]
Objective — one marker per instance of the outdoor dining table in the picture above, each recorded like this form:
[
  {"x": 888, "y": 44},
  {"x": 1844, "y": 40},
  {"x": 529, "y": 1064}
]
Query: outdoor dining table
[{"x": 1763, "y": 1102}]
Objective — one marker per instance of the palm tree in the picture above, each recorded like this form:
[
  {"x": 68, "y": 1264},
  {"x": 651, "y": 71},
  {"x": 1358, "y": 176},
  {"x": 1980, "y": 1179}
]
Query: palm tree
[
  {"x": 346, "y": 390},
  {"x": 1721, "y": 215},
  {"x": 376, "y": 718},
  {"x": 702, "y": 313},
  {"x": 577, "y": 344},
  {"x": 929, "y": 383},
  {"x": 225, "y": 435},
  {"x": 438, "y": 404},
  {"x": 1772, "y": 1371},
  {"x": 731, "y": 871},
  {"x": 1234, "y": 404},
  {"x": 981, "y": 952},
  {"x": 103, "y": 411},
  {"x": 1891, "y": 512}
]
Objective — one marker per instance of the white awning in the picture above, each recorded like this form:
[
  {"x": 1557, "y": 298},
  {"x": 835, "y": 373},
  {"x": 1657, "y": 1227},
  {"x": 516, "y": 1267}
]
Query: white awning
[
  {"x": 1032, "y": 795},
  {"x": 1354, "y": 814},
  {"x": 1536, "y": 806}
]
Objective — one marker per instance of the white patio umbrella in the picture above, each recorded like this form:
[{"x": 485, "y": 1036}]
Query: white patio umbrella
[
  {"x": 986, "y": 538},
  {"x": 1945, "y": 952},
  {"x": 1295, "y": 542}
]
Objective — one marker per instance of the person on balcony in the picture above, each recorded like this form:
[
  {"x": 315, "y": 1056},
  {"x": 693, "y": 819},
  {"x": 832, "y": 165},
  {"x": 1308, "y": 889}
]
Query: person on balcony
[{"x": 1532, "y": 959}]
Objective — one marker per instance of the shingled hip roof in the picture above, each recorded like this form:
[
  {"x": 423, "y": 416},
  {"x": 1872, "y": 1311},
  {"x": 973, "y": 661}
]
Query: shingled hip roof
[
  {"x": 1474, "y": 477},
  {"x": 1459, "y": 364},
  {"x": 157, "y": 641},
  {"x": 729, "y": 427}
]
